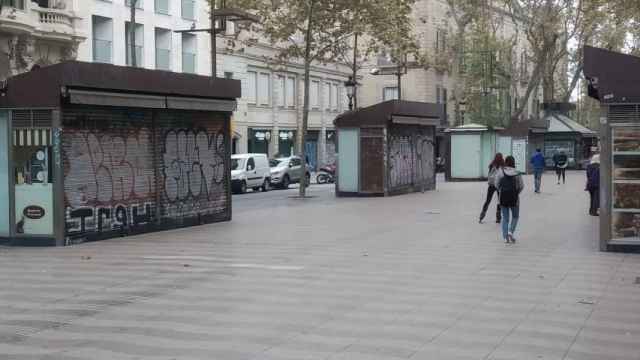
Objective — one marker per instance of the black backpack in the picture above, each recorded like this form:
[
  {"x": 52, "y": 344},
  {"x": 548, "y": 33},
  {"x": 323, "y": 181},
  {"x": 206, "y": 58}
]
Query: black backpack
[{"x": 508, "y": 191}]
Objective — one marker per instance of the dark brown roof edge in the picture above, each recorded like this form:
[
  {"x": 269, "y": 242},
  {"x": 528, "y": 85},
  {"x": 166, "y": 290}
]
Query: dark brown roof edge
[
  {"x": 613, "y": 77},
  {"x": 42, "y": 87},
  {"x": 380, "y": 114}
]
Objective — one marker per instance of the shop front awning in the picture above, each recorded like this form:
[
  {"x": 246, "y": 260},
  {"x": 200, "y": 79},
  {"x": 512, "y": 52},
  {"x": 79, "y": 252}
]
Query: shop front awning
[{"x": 77, "y": 82}]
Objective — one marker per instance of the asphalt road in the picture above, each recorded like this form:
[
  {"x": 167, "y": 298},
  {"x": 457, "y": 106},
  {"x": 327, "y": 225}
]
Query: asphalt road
[{"x": 258, "y": 200}]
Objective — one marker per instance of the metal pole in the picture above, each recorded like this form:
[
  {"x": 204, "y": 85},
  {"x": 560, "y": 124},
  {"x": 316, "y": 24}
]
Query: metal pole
[
  {"x": 399, "y": 74},
  {"x": 213, "y": 39},
  {"x": 355, "y": 73}
]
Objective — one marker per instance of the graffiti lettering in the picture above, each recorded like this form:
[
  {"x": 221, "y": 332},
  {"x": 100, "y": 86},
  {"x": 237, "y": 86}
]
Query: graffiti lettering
[
  {"x": 109, "y": 218},
  {"x": 129, "y": 178},
  {"x": 108, "y": 168},
  {"x": 411, "y": 159},
  {"x": 193, "y": 164}
]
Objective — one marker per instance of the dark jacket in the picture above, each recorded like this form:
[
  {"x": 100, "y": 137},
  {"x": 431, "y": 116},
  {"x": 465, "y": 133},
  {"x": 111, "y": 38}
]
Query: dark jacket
[
  {"x": 593, "y": 176},
  {"x": 560, "y": 160},
  {"x": 538, "y": 161},
  {"x": 509, "y": 171}
]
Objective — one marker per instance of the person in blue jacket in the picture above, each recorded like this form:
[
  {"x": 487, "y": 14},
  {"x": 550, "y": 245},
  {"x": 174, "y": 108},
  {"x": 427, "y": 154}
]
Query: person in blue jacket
[{"x": 537, "y": 161}]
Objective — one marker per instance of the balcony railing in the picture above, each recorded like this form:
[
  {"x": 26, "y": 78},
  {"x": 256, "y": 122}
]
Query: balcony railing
[
  {"x": 163, "y": 59},
  {"x": 189, "y": 63},
  {"x": 49, "y": 16},
  {"x": 139, "y": 59},
  {"x": 101, "y": 51},
  {"x": 189, "y": 9}
]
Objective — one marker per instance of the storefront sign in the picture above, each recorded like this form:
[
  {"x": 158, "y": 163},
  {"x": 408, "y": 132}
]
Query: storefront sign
[{"x": 33, "y": 212}]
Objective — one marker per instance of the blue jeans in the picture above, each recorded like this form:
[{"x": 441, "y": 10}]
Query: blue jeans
[
  {"x": 509, "y": 225},
  {"x": 537, "y": 175}
]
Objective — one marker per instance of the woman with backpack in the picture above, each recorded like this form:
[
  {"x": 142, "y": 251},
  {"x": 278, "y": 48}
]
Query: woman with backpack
[
  {"x": 496, "y": 165},
  {"x": 509, "y": 183}
]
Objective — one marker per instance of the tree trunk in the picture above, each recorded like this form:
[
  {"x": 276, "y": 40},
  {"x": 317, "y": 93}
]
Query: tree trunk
[
  {"x": 534, "y": 81},
  {"x": 548, "y": 85},
  {"x": 302, "y": 136},
  {"x": 574, "y": 82},
  {"x": 355, "y": 72},
  {"x": 132, "y": 32},
  {"x": 542, "y": 56},
  {"x": 457, "y": 76}
]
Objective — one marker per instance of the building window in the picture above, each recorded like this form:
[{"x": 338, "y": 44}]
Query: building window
[
  {"x": 327, "y": 96},
  {"x": 188, "y": 9},
  {"x": 162, "y": 7},
  {"x": 384, "y": 59},
  {"x": 17, "y": 4},
  {"x": 281, "y": 90},
  {"x": 334, "y": 97},
  {"x": 228, "y": 75},
  {"x": 102, "y": 39},
  {"x": 138, "y": 3},
  {"x": 390, "y": 93},
  {"x": 291, "y": 92},
  {"x": 315, "y": 94},
  {"x": 163, "y": 49},
  {"x": 139, "y": 48},
  {"x": 441, "y": 41},
  {"x": 442, "y": 97},
  {"x": 252, "y": 87},
  {"x": 263, "y": 89},
  {"x": 189, "y": 53}
]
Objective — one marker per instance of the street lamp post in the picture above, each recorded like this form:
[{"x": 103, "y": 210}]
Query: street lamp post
[
  {"x": 463, "y": 109},
  {"x": 221, "y": 15},
  {"x": 351, "y": 85},
  {"x": 398, "y": 71}
]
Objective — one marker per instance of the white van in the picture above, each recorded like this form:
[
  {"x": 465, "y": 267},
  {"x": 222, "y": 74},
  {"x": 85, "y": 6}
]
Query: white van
[{"x": 250, "y": 171}]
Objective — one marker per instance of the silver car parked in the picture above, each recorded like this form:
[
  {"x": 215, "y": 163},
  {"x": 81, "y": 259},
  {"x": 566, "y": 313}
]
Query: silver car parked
[{"x": 288, "y": 170}]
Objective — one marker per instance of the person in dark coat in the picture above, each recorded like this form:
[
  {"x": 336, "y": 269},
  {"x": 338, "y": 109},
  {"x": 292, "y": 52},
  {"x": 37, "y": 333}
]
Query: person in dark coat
[
  {"x": 496, "y": 165},
  {"x": 593, "y": 184},
  {"x": 561, "y": 161}
]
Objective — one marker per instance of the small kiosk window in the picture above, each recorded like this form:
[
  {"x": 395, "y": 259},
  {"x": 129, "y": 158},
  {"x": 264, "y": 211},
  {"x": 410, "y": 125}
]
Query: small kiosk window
[
  {"x": 33, "y": 176},
  {"x": 626, "y": 183}
]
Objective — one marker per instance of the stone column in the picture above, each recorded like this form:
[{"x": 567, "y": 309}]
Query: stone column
[
  {"x": 322, "y": 145},
  {"x": 275, "y": 140}
]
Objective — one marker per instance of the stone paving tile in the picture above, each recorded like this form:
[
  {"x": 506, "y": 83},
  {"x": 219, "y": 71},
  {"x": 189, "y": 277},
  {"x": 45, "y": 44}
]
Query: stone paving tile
[{"x": 367, "y": 279}]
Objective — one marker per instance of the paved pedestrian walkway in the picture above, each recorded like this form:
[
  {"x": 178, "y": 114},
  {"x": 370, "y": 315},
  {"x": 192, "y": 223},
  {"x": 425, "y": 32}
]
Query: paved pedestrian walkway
[{"x": 409, "y": 277}]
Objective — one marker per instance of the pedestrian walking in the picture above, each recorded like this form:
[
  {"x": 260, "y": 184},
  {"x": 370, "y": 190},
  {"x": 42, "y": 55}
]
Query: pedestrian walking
[
  {"x": 593, "y": 185},
  {"x": 561, "y": 161},
  {"x": 510, "y": 185},
  {"x": 538, "y": 163},
  {"x": 496, "y": 165}
]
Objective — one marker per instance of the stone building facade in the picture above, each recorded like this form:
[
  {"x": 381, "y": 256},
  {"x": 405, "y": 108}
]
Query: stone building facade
[
  {"x": 44, "y": 32},
  {"x": 37, "y": 33},
  {"x": 434, "y": 28}
]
